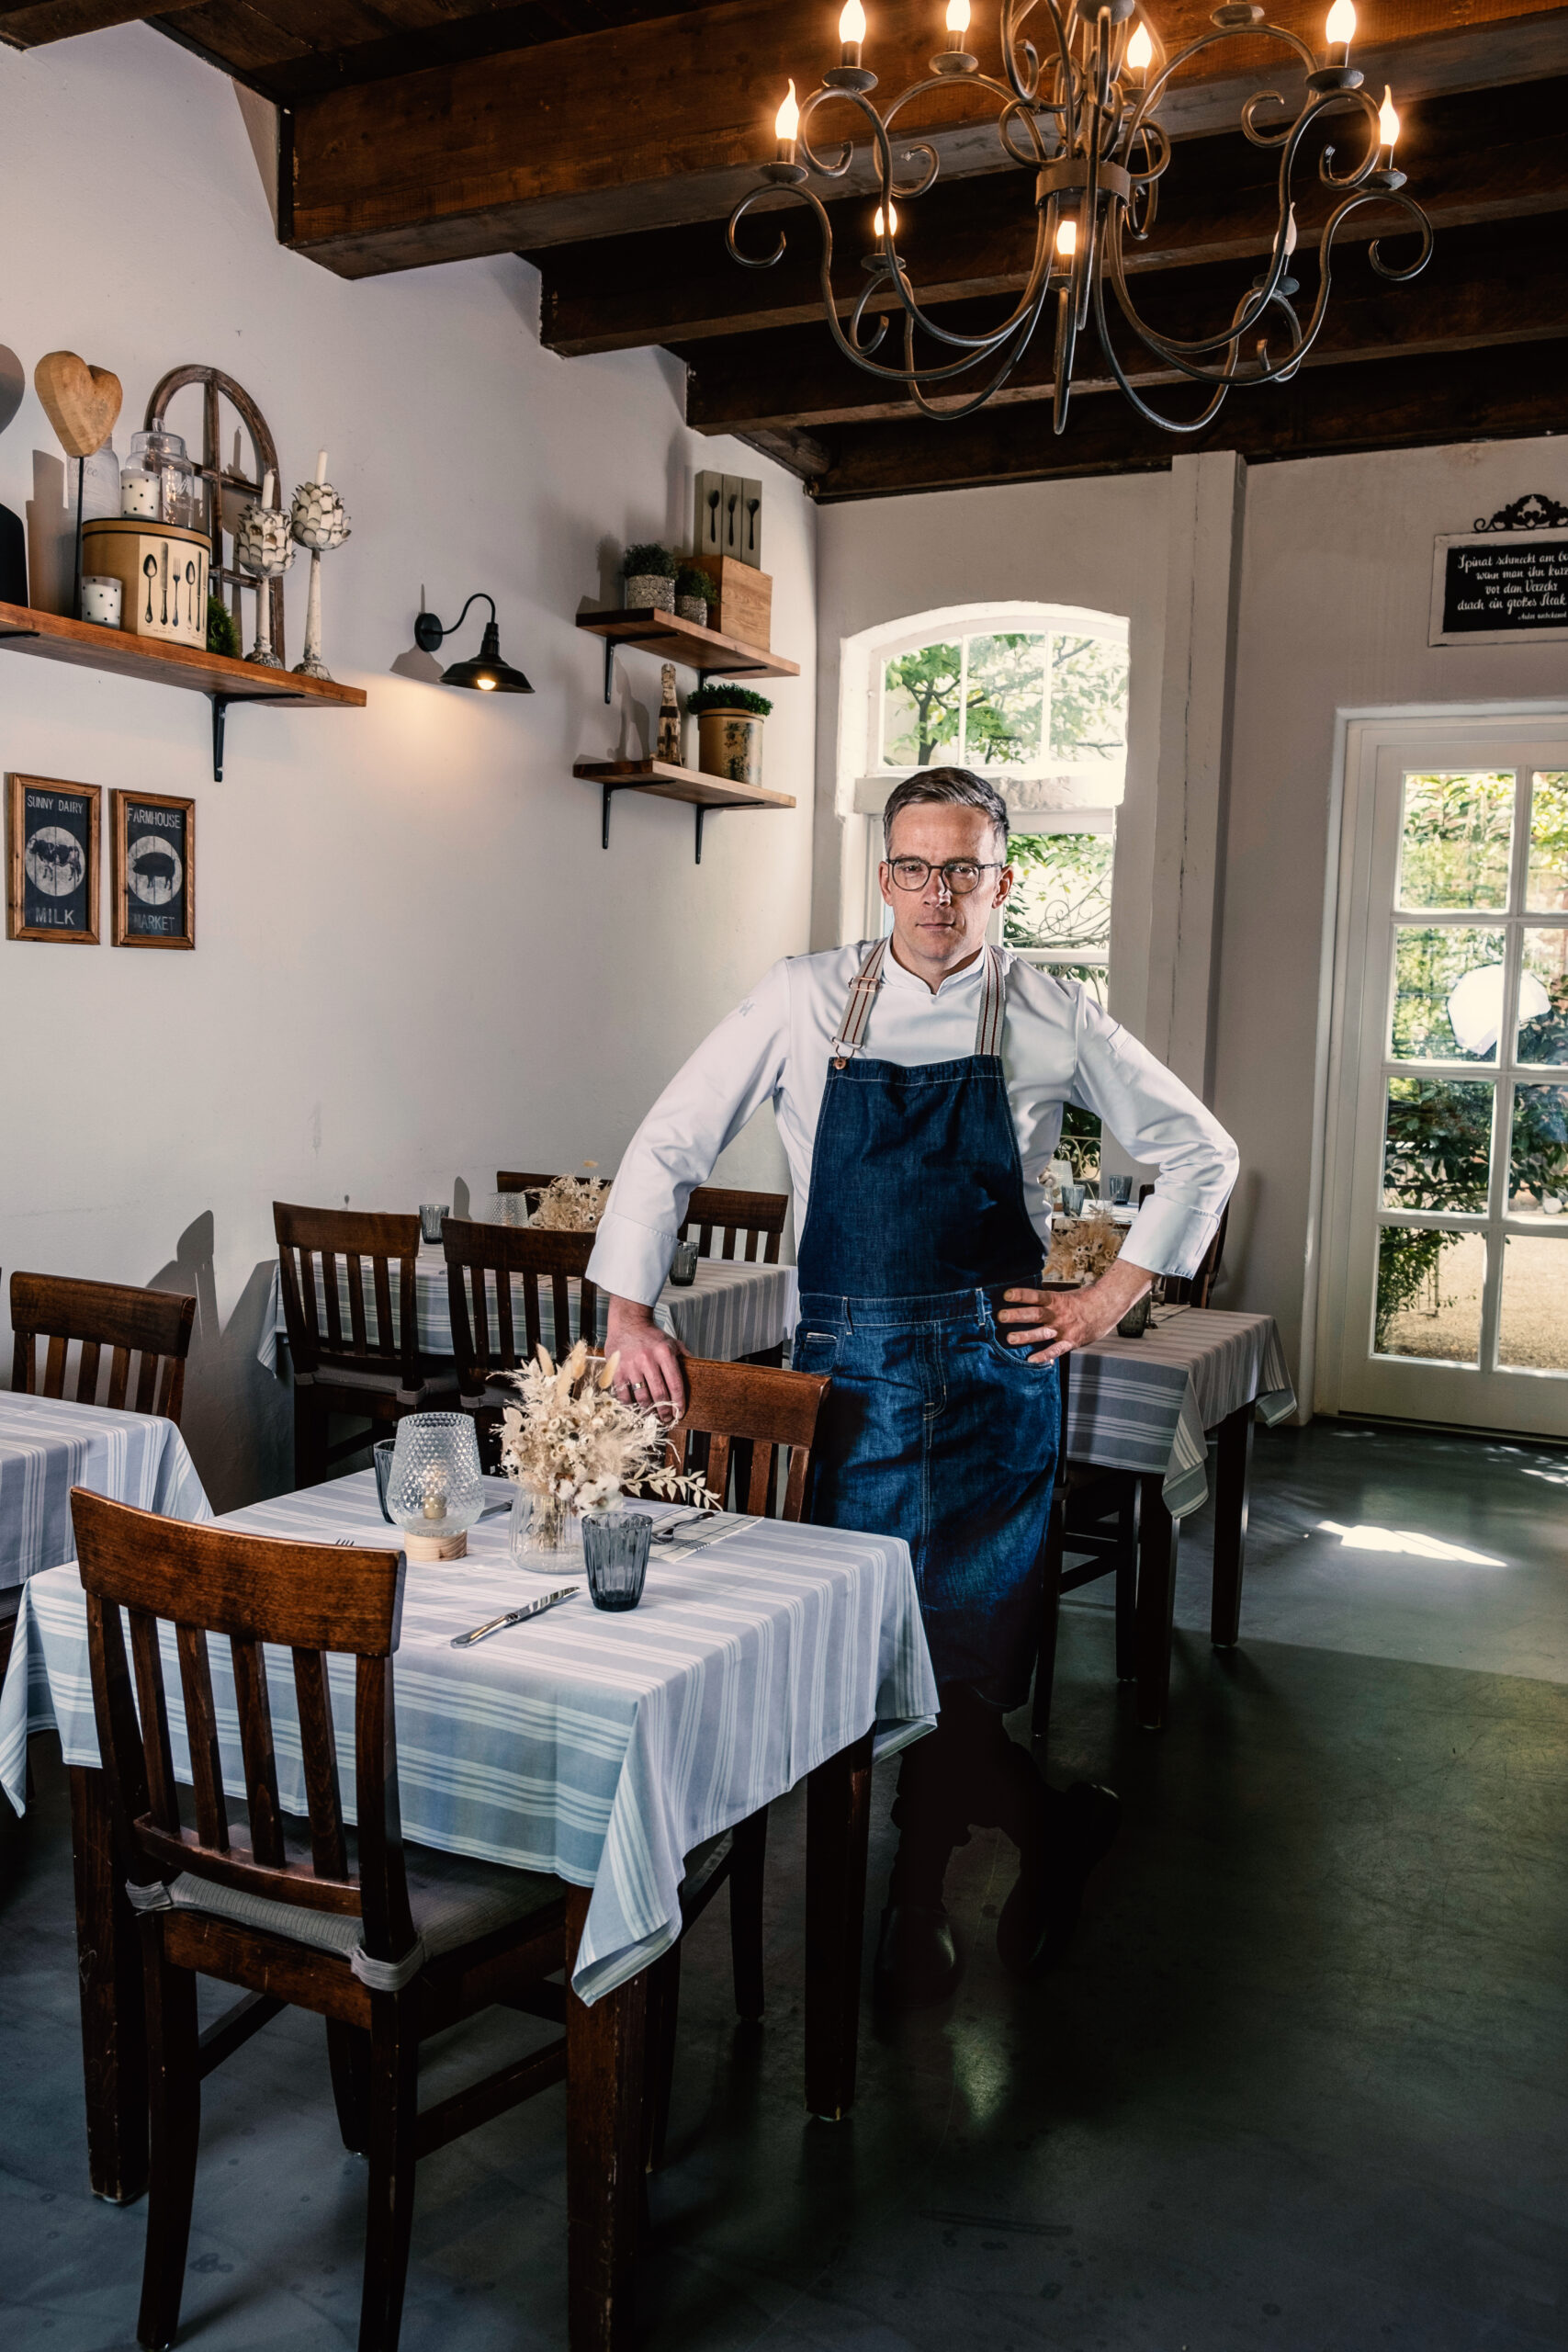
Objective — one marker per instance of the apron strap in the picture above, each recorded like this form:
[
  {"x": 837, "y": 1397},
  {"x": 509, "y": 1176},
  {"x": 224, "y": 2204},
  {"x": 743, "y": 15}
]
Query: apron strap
[
  {"x": 857, "y": 1009},
  {"x": 868, "y": 980}
]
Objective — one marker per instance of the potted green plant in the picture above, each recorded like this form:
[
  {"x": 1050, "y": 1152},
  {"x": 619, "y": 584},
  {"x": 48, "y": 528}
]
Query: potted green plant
[
  {"x": 729, "y": 732},
  {"x": 649, "y": 573},
  {"x": 693, "y": 594}
]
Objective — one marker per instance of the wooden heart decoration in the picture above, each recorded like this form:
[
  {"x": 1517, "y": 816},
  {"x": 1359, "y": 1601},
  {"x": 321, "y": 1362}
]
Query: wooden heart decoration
[{"x": 81, "y": 402}]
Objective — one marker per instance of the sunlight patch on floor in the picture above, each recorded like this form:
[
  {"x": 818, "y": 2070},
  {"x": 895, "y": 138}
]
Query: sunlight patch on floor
[{"x": 1400, "y": 1539}]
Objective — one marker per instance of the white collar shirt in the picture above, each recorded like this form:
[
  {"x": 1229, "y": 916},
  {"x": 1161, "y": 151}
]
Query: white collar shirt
[{"x": 1057, "y": 1048}]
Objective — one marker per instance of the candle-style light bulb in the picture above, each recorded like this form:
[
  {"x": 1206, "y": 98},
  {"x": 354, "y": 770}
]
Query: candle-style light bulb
[
  {"x": 957, "y": 15},
  {"x": 892, "y": 222},
  {"x": 1066, "y": 236},
  {"x": 1341, "y": 26},
  {"x": 1291, "y": 233},
  {"x": 1140, "y": 51},
  {"x": 321, "y": 465},
  {"x": 267, "y": 481},
  {"x": 851, "y": 31},
  {"x": 1388, "y": 119},
  {"x": 786, "y": 124}
]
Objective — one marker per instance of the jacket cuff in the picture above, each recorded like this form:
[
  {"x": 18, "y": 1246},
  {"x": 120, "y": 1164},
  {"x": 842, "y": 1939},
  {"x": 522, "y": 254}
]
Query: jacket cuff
[
  {"x": 631, "y": 1260},
  {"x": 1168, "y": 1237}
]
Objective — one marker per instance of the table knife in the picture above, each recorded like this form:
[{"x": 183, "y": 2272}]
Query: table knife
[{"x": 514, "y": 1616}]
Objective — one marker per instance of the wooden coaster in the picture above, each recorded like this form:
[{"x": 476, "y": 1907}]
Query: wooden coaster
[{"x": 437, "y": 1547}]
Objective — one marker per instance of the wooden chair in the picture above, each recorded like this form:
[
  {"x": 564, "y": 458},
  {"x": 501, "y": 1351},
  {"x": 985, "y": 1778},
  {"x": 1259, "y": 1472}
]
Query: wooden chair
[
  {"x": 752, "y": 1218},
  {"x": 366, "y": 1375},
  {"x": 754, "y": 1428},
  {"x": 152, "y": 1326},
  {"x": 389, "y": 1949},
  {"x": 481, "y": 1261}
]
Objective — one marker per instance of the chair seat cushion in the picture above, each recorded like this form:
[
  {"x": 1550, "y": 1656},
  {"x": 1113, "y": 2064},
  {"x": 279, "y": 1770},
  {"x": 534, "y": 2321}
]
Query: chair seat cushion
[{"x": 454, "y": 1902}]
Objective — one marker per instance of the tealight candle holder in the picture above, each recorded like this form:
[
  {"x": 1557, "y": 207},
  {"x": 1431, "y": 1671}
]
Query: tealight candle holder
[{"x": 435, "y": 1491}]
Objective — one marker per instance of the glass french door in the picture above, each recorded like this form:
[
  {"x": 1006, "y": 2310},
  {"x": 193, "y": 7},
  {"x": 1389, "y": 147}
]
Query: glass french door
[{"x": 1453, "y": 1256}]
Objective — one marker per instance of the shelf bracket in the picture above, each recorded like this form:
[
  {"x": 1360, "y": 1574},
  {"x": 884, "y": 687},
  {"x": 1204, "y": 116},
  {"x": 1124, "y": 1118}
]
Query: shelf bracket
[
  {"x": 610, "y": 792},
  {"x": 219, "y": 715},
  {"x": 609, "y": 689}
]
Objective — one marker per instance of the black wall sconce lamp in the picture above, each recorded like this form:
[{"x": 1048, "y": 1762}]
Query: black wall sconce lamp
[{"x": 490, "y": 674}]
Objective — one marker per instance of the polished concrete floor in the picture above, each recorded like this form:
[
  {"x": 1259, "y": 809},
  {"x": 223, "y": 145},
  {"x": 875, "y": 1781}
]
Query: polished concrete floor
[{"x": 1301, "y": 2085}]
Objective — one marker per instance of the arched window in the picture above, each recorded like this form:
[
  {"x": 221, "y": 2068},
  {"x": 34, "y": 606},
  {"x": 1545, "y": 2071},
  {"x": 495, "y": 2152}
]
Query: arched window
[{"x": 1034, "y": 696}]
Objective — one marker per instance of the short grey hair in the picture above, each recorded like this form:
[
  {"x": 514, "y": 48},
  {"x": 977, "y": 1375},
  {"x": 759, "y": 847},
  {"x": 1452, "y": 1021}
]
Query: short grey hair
[{"x": 956, "y": 787}]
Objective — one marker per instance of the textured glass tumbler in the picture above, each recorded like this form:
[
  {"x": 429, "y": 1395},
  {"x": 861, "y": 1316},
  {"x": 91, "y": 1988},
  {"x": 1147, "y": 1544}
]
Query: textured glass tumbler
[
  {"x": 683, "y": 1265},
  {"x": 382, "y": 1453},
  {"x": 614, "y": 1552},
  {"x": 1119, "y": 1190},
  {"x": 433, "y": 1215}
]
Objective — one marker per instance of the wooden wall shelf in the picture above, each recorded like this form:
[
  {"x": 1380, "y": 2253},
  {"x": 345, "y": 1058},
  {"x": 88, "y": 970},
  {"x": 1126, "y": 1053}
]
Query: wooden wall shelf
[
  {"x": 668, "y": 638},
  {"x": 218, "y": 675},
  {"x": 663, "y": 781}
]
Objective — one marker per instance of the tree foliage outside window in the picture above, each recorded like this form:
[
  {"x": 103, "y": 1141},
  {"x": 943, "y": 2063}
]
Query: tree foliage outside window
[
  {"x": 1006, "y": 699},
  {"x": 1455, "y": 836},
  {"x": 1061, "y": 898}
]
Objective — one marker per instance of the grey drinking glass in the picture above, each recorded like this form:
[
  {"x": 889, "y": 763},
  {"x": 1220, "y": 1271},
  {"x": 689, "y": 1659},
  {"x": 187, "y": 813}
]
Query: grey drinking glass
[
  {"x": 683, "y": 1265},
  {"x": 433, "y": 1215},
  {"x": 383, "y": 1452},
  {"x": 1072, "y": 1197},
  {"x": 1118, "y": 1190},
  {"x": 615, "y": 1554}
]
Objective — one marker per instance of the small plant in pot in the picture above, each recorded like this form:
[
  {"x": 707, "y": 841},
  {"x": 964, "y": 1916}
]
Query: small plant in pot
[
  {"x": 693, "y": 592},
  {"x": 729, "y": 732},
  {"x": 650, "y": 572}
]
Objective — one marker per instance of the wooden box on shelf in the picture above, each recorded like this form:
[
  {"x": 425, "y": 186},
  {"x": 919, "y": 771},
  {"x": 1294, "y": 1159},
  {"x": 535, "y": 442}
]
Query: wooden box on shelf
[{"x": 745, "y": 606}]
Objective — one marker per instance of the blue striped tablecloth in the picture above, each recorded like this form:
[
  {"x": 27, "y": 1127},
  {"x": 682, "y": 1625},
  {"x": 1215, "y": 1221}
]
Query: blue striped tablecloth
[
  {"x": 1145, "y": 1404},
  {"x": 731, "y": 1311},
  {"x": 601, "y": 1748},
  {"x": 48, "y": 1446}
]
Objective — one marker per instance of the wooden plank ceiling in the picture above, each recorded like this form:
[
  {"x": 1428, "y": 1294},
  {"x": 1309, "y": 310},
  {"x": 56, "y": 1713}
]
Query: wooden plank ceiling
[{"x": 606, "y": 141}]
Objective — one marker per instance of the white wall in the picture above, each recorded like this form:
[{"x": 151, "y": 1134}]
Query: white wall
[{"x": 414, "y": 963}]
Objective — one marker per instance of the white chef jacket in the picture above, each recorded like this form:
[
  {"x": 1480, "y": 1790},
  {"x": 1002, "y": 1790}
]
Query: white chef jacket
[{"x": 1057, "y": 1048}]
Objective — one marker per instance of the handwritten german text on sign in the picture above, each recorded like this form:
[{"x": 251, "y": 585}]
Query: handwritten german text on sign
[{"x": 1502, "y": 588}]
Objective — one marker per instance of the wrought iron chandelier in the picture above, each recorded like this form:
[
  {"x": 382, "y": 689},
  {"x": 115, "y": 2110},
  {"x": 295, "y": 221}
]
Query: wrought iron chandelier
[{"x": 1084, "y": 121}]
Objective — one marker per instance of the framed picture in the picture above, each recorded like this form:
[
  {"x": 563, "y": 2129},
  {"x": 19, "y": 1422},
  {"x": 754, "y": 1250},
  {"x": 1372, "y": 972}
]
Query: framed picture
[
  {"x": 52, "y": 833},
  {"x": 155, "y": 870}
]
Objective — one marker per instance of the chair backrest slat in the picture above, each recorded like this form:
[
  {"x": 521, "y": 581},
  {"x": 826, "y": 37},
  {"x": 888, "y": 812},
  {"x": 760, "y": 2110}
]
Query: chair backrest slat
[
  {"x": 247, "y": 1590},
  {"x": 201, "y": 1736},
  {"x": 257, "y": 1750},
  {"x": 157, "y": 1756},
  {"x": 155, "y": 1326},
  {"x": 359, "y": 1250},
  {"x": 318, "y": 1742}
]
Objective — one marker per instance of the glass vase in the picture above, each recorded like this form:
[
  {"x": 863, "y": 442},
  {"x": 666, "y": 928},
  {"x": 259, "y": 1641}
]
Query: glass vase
[{"x": 544, "y": 1528}]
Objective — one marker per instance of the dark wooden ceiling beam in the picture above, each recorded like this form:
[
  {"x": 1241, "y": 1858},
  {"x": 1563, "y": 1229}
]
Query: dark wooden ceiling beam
[
  {"x": 1482, "y": 287},
  {"x": 34, "y": 23},
  {"x": 1330, "y": 411},
  {"x": 1477, "y": 156},
  {"x": 664, "y": 123}
]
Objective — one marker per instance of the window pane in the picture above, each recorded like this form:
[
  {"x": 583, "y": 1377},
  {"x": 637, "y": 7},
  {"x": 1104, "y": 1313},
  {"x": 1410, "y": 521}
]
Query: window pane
[
  {"x": 1429, "y": 1291},
  {"x": 1089, "y": 698},
  {"x": 1061, "y": 897},
  {"x": 1533, "y": 1334},
  {"x": 1547, "y": 890},
  {"x": 1005, "y": 706},
  {"x": 1543, "y": 997},
  {"x": 1448, "y": 994},
  {"x": 920, "y": 707},
  {"x": 1455, "y": 835},
  {"x": 1437, "y": 1144},
  {"x": 1538, "y": 1154}
]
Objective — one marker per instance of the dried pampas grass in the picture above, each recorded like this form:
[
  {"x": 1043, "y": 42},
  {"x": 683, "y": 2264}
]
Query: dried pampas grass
[
  {"x": 572, "y": 1204},
  {"x": 1082, "y": 1249}
]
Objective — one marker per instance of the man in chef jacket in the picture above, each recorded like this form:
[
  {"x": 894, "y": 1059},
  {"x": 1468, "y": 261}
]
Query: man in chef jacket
[{"x": 918, "y": 1083}]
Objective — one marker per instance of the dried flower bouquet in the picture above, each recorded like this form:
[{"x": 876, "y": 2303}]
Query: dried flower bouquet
[
  {"x": 573, "y": 1441},
  {"x": 1083, "y": 1250},
  {"x": 572, "y": 1204}
]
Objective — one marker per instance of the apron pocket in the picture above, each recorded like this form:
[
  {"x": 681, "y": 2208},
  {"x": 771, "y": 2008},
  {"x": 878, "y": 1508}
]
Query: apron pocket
[{"x": 816, "y": 1351}]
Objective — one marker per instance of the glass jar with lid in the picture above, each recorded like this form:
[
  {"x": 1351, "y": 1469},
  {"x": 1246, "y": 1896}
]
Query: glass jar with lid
[{"x": 158, "y": 481}]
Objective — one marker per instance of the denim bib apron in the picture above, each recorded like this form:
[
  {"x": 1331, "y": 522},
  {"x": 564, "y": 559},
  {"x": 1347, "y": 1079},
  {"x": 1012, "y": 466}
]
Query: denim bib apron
[{"x": 934, "y": 1428}]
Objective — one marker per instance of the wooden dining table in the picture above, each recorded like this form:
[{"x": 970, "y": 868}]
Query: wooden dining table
[{"x": 600, "y": 1748}]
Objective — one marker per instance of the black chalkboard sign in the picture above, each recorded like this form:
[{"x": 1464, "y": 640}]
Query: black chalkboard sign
[
  {"x": 155, "y": 871},
  {"x": 1506, "y": 582},
  {"x": 52, "y": 874}
]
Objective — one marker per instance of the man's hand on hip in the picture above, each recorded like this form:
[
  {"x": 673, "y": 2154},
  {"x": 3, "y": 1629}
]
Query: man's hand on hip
[
  {"x": 1056, "y": 1321},
  {"x": 650, "y": 1372}
]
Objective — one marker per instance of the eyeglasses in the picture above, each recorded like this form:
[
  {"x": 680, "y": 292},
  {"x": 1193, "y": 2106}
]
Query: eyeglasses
[{"x": 959, "y": 875}]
